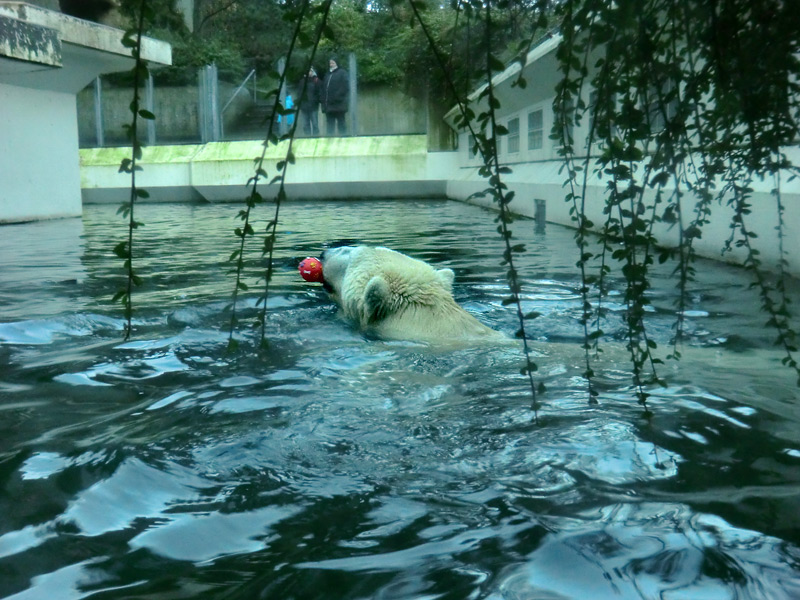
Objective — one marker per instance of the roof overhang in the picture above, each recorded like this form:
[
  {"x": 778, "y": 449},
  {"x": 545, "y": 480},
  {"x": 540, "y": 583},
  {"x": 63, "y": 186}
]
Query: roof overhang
[
  {"x": 545, "y": 47},
  {"x": 48, "y": 50}
]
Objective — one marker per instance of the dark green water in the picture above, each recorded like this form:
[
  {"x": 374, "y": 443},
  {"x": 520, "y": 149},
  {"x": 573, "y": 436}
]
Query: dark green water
[{"x": 333, "y": 466}]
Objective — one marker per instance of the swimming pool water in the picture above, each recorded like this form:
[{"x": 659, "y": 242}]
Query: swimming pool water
[{"x": 333, "y": 466}]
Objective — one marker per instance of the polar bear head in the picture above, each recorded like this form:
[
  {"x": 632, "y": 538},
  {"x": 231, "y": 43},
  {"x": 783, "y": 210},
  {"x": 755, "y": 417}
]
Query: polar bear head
[{"x": 394, "y": 296}]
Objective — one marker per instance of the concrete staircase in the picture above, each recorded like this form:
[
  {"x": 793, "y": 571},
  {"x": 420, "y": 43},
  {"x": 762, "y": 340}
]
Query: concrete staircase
[{"x": 252, "y": 124}]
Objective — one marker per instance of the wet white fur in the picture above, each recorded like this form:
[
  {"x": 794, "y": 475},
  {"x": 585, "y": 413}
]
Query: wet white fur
[{"x": 393, "y": 296}]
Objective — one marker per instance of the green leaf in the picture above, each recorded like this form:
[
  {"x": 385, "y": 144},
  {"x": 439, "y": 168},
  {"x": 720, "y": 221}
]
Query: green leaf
[
  {"x": 121, "y": 250},
  {"x": 495, "y": 64}
]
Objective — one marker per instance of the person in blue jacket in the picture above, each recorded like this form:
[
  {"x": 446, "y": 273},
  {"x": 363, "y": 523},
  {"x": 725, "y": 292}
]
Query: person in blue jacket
[{"x": 335, "y": 98}]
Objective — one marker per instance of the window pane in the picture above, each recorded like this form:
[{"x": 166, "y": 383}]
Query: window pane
[
  {"x": 471, "y": 152},
  {"x": 513, "y": 135},
  {"x": 566, "y": 121},
  {"x": 535, "y": 130}
]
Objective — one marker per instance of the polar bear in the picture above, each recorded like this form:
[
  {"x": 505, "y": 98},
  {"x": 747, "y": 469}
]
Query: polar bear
[{"x": 393, "y": 296}]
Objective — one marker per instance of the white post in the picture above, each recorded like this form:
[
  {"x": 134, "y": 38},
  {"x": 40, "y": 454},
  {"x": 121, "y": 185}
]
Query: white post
[
  {"x": 353, "y": 116},
  {"x": 150, "y": 105},
  {"x": 98, "y": 112}
]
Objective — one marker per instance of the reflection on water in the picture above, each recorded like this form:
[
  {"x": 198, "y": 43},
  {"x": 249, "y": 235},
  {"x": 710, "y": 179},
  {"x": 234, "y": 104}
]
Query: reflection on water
[{"x": 332, "y": 466}]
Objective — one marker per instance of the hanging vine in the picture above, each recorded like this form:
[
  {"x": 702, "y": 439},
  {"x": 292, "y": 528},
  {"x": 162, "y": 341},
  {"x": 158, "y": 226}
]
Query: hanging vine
[
  {"x": 255, "y": 197},
  {"x": 486, "y": 144},
  {"x": 688, "y": 102},
  {"x": 271, "y": 228},
  {"x": 679, "y": 114},
  {"x": 133, "y": 39}
]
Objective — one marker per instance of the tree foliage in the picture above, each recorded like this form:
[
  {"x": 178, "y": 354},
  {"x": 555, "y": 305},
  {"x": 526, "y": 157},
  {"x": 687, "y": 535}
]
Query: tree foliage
[{"x": 385, "y": 37}]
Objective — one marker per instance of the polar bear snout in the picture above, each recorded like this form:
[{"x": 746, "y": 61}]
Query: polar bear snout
[
  {"x": 340, "y": 253},
  {"x": 334, "y": 266}
]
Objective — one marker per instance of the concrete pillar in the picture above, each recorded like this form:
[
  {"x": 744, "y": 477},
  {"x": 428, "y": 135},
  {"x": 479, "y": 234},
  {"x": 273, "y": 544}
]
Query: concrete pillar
[
  {"x": 540, "y": 214},
  {"x": 282, "y": 127},
  {"x": 149, "y": 104},
  {"x": 210, "y": 130},
  {"x": 46, "y": 58}
]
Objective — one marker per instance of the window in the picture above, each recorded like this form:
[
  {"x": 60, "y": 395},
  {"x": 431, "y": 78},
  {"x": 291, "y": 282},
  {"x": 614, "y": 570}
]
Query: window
[
  {"x": 535, "y": 130},
  {"x": 471, "y": 150},
  {"x": 602, "y": 129},
  {"x": 662, "y": 105},
  {"x": 565, "y": 121},
  {"x": 513, "y": 135},
  {"x": 592, "y": 135}
]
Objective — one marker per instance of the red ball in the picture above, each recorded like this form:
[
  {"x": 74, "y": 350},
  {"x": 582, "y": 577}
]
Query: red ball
[{"x": 311, "y": 269}]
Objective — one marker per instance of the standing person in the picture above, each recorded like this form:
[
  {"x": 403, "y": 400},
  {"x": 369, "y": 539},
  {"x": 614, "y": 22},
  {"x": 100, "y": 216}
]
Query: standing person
[
  {"x": 335, "y": 98},
  {"x": 309, "y": 107}
]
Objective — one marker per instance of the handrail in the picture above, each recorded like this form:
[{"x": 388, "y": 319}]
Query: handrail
[{"x": 238, "y": 89}]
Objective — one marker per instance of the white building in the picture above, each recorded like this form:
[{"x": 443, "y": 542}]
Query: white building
[
  {"x": 46, "y": 58},
  {"x": 537, "y": 177}
]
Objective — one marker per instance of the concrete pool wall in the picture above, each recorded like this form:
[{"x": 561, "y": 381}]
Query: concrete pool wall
[
  {"x": 402, "y": 167},
  {"x": 397, "y": 166}
]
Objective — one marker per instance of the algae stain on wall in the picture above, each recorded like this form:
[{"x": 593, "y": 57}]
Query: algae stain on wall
[{"x": 32, "y": 43}]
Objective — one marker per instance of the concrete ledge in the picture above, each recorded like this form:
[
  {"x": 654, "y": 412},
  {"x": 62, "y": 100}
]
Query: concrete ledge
[
  {"x": 46, "y": 58},
  {"x": 84, "y": 33},
  {"x": 400, "y": 167},
  {"x": 354, "y": 167},
  {"x": 29, "y": 42},
  {"x": 78, "y": 50}
]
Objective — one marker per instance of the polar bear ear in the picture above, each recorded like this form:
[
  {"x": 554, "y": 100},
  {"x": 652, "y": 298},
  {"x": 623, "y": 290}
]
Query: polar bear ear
[
  {"x": 446, "y": 276},
  {"x": 376, "y": 299}
]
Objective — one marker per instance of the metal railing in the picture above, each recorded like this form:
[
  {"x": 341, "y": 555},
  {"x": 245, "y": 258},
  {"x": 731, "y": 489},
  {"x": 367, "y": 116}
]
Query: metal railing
[
  {"x": 188, "y": 109},
  {"x": 251, "y": 74}
]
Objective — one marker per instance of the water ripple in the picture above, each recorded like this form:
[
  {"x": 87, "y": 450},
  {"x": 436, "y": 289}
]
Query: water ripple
[{"x": 328, "y": 465}]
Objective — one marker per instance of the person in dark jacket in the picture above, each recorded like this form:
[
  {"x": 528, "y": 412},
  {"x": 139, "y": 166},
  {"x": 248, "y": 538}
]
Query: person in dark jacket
[
  {"x": 335, "y": 98},
  {"x": 309, "y": 107}
]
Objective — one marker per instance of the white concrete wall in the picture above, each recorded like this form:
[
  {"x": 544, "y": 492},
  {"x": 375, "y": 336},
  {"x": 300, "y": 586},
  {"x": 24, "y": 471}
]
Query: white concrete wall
[
  {"x": 39, "y": 169},
  {"x": 537, "y": 174},
  {"x": 46, "y": 59},
  {"x": 543, "y": 181},
  {"x": 400, "y": 167},
  {"x": 352, "y": 167}
]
